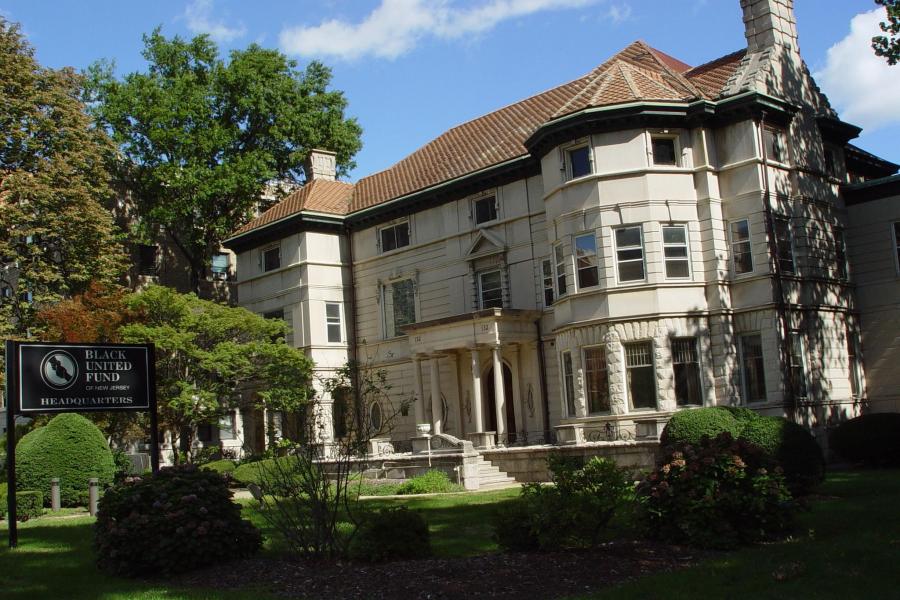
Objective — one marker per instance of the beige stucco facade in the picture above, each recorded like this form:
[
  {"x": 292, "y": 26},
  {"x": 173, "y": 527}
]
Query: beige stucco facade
[{"x": 631, "y": 268}]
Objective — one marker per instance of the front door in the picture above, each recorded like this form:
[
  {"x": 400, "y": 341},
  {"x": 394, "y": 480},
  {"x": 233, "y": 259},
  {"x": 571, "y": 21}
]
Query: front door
[{"x": 491, "y": 403}]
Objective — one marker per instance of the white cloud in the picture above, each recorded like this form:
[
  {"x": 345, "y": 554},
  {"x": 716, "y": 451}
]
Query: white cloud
[
  {"x": 862, "y": 86},
  {"x": 618, "y": 13},
  {"x": 396, "y": 26},
  {"x": 199, "y": 18}
]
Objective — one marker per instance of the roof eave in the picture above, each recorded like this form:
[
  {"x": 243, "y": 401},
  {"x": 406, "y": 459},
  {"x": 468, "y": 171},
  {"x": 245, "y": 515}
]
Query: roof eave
[{"x": 298, "y": 221}]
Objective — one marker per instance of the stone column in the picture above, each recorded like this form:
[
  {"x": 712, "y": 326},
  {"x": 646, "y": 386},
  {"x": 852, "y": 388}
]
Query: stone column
[
  {"x": 498, "y": 394},
  {"x": 436, "y": 406},
  {"x": 476, "y": 391},
  {"x": 615, "y": 372},
  {"x": 536, "y": 386},
  {"x": 419, "y": 403},
  {"x": 580, "y": 384},
  {"x": 517, "y": 390},
  {"x": 453, "y": 358}
]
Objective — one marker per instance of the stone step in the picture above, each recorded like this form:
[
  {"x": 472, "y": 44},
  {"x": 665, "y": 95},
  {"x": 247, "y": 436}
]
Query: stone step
[{"x": 490, "y": 477}]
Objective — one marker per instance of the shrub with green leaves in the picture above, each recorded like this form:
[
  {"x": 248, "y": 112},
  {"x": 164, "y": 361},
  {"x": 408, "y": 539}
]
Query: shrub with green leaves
[
  {"x": 29, "y": 504},
  {"x": 573, "y": 513},
  {"x": 391, "y": 534},
  {"x": 786, "y": 442},
  {"x": 719, "y": 493},
  {"x": 872, "y": 439},
  {"x": 270, "y": 476},
  {"x": 429, "y": 482},
  {"x": 70, "y": 447},
  {"x": 177, "y": 520}
]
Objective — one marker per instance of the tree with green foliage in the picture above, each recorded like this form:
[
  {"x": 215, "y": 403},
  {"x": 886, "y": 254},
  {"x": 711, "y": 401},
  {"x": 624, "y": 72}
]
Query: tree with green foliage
[
  {"x": 56, "y": 236},
  {"x": 200, "y": 137},
  {"x": 207, "y": 354},
  {"x": 888, "y": 45}
]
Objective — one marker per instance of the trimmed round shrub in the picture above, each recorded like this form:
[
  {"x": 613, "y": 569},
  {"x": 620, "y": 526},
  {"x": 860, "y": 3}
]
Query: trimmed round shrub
[
  {"x": 391, "y": 534},
  {"x": 719, "y": 493},
  {"x": 793, "y": 447},
  {"x": 29, "y": 504},
  {"x": 786, "y": 442},
  {"x": 70, "y": 447},
  {"x": 872, "y": 439},
  {"x": 689, "y": 426},
  {"x": 429, "y": 482},
  {"x": 276, "y": 478},
  {"x": 177, "y": 520}
]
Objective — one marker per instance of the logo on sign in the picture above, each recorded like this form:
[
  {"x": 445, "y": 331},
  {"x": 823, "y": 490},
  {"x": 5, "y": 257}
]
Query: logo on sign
[{"x": 59, "y": 370}]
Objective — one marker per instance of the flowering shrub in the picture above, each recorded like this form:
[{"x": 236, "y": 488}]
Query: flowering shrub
[
  {"x": 572, "y": 513},
  {"x": 719, "y": 493},
  {"x": 178, "y": 520}
]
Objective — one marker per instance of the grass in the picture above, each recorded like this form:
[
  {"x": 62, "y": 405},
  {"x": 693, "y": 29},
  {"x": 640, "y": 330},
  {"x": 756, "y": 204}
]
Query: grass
[{"x": 848, "y": 547}]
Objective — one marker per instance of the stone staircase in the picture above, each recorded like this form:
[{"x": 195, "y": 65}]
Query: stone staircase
[{"x": 491, "y": 477}]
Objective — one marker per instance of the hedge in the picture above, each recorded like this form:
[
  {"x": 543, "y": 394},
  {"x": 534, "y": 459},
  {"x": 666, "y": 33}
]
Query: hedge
[
  {"x": 220, "y": 466},
  {"x": 29, "y": 504},
  {"x": 872, "y": 439},
  {"x": 790, "y": 444},
  {"x": 69, "y": 447}
]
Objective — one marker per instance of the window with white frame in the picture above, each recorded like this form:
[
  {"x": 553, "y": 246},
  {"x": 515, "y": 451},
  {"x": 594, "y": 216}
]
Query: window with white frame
[
  {"x": 639, "y": 375},
  {"x": 560, "y": 267},
  {"x": 775, "y": 141},
  {"x": 399, "y": 305},
  {"x": 219, "y": 266},
  {"x": 741, "y": 249},
  {"x": 664, "y": 150},
  {"x": 753, "y": 370},
  {"x": 394, "y": 236},
  {"x": 333, "y": 322},
  {"x": 587, "y": 265},
  {"x": 490, "y": 289},
  {"x": 897, "y": 244},
  {"x": 271, "y": 258},
  {"x": 784, "y": 246},
  {"x": 675, "y": 251},
  {"x": 630, "y": 254},
  {"x": 376, "y": 420},
  {"x": 686, "y": 368},
  {"x": 568, "y": 383},
  {"x": 547, "y": 279},
  {"x": 595, "y": 380},
  {"x": 798, "y": 365},
  {"x": 578, "y": 161},
  {"x": 227, "y": 426},
  {"x": 855, "y": 366},
  {"x": 485, "y": 209}
]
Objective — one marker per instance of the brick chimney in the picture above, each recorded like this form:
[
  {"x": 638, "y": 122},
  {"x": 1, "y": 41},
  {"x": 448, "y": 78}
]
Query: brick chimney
[
  {"x": 321, "y": 164},
  {"x": 770, "y": 23}
]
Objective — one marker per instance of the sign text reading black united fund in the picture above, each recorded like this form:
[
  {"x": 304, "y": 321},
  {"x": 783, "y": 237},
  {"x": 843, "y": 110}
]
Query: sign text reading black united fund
[{"x": 83, "y": 377}]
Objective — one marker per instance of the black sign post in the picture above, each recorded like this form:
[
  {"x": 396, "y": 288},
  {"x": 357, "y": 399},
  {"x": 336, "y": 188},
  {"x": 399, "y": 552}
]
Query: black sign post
[{"x": 53, "y": 378}]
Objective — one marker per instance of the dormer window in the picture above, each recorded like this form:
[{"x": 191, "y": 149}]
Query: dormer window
[
  {"x": 664, "y": 150},
  {"x": 394, "y": 236},
  {"x": 485, "y": 209}
]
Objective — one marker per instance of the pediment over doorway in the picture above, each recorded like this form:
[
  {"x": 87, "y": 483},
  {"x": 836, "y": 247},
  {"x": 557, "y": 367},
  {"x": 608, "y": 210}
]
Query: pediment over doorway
[{"x": 485, "y": 243}]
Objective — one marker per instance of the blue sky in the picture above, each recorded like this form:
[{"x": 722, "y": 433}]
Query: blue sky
[{"x": 411, "y": 69}]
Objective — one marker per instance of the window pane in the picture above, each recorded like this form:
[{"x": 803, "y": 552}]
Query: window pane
[
  {"x": 485, "y": 210},
  {"x": 560, "y": 269},
  {"x": 147, "y": 259},
  {"x": 490, "y": 289},
  {"x": 677, "y": 269},
  {"x": 663, "y": 151},
  {"x": 775, "y": 145},
  {"x": 674, "y": 235},
  {"x": 226, "y": 426},
  {"x": 402, "y": 234},
  {"x": 547, "y": 275},
  {"x": 595, "y": 380},
  {"x": 388, "y": 240},
  {"x": 686, "y": 367},
  {"x": 586, "y": 260},
  {"x": 798, "y": 365},
  {"x": 631, "y": 271},
  {"x": 783, "y": 247},
  {"x": 580, "y": 161},
  {"x": 753, "y": 369},
  {"x": 399, "y": 307},
  {"x": 568, "y": 383},
  {"x": 740, "y": 231},
  {"x": 629, "y": 236},
  {"x": 272, "y": 259},
  {"x": 332, "y": 311},
  {"x": 639, "y": 372}
]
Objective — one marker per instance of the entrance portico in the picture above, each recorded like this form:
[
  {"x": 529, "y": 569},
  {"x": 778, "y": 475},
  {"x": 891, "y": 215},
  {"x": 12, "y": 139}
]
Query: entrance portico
[{"x": 494, "y": 343}]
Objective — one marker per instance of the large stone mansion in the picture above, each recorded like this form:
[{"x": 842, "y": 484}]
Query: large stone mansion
[{"x": 575, "y": 267}]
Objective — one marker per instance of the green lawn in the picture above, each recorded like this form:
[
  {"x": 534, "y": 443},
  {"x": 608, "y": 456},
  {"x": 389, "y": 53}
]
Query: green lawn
[{"x": 848, "y": 548}]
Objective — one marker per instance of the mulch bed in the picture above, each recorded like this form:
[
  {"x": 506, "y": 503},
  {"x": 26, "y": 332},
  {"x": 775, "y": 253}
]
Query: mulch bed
[{"x": 499, "y": 576}]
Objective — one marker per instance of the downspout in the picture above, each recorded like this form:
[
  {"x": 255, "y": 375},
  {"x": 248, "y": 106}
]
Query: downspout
[
  {"x": 786, "y": 374},
  {"x": 352, "y": 359}
]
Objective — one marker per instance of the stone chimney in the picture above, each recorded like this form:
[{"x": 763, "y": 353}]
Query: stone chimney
[
  {"x": 321, "y": 164},
  {"x": 770, "y": 23}
]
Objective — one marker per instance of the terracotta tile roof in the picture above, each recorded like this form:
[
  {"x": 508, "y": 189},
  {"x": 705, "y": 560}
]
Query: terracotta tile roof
[
  {"x": 711, "y": 77},
  {"x": 637, "y": 73},
  {"x": 319, "y": 196}
]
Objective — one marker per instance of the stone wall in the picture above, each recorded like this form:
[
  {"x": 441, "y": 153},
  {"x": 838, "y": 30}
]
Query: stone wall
[{"x": 530, "y": 463}]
